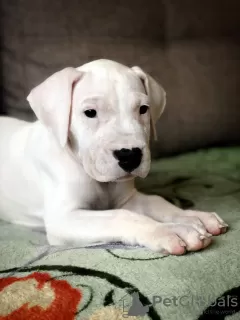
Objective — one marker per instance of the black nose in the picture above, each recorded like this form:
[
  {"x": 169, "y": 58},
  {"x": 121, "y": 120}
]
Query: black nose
[{"x": 129, "y": 159}]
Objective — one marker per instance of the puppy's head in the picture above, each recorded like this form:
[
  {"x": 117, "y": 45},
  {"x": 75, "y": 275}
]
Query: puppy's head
[{"x": 106, "y": 111}]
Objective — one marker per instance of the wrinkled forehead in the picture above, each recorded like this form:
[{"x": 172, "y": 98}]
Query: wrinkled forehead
[{"x": 112, "y": 85}]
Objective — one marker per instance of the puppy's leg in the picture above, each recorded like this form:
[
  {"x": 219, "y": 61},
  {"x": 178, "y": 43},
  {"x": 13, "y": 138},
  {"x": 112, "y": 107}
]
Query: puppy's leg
[
  {"x": 84, "y": 227},
  {"x": 193, "y": 227},
  {"x": 68, "y": 221}
]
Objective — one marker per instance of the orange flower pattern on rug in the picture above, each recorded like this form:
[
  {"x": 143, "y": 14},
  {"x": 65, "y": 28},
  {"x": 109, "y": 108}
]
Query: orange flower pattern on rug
[{"x": 37, "y": 296}]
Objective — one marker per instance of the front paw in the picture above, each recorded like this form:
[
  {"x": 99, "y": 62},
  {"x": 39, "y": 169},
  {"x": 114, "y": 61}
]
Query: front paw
[
  {"x": 176, "y": 238},
  {"x": 211, "y": 221}
]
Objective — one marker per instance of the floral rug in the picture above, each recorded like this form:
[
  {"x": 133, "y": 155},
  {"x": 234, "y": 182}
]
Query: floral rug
[{"x": 117, "y": 282}]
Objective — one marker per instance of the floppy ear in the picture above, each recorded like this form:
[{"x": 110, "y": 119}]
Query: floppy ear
[
  {"x": 157, "y": 96},
  {"x": 51, "y": 102}
]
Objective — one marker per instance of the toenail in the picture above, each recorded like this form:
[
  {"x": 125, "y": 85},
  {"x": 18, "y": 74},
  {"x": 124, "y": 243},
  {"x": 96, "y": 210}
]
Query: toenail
[
  {"x": 222, "y": 225},
  {"x": 223, "y": 229},
  {"x": 205, "y": 236},
  {"x": 208, "y": 235},
  {"x": 182, "y": 244}
]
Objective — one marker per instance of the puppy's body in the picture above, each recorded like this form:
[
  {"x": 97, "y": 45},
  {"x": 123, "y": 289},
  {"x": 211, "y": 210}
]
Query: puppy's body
[
  {"x": 68, "y": 171},
  {"x": 20, "y": 195}
]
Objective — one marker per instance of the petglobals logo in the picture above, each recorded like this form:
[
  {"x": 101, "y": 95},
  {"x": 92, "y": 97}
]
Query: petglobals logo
[
  {"x": 136, "y": 308},
  {"x": 191, "y": 300}
]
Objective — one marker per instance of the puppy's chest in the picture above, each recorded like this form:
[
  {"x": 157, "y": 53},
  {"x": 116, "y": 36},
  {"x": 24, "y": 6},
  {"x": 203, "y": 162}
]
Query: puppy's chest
[{"x": 99, "y": 198}]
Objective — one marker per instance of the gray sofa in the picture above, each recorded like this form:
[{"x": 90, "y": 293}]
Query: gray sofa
[{"x": 191, "y": 47}]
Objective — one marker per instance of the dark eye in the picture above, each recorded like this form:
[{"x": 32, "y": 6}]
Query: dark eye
[
  {"x": 91, "y": 113},
  {"x": 143, "y": 109}
]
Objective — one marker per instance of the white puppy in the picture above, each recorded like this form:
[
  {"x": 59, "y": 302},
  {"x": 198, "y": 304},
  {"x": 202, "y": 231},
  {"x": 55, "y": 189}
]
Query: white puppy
[{"x": 72, "y": 171}]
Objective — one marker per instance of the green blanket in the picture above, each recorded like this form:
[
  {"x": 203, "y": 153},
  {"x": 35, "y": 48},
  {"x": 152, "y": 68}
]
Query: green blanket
[{"x": 42, "y": 282}]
